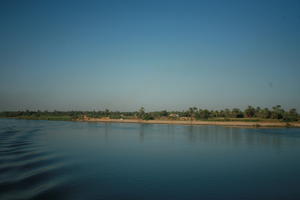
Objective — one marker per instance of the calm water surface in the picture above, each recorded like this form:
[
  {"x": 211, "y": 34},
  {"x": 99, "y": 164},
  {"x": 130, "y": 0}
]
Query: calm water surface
[{"x": 77, "y": 160}]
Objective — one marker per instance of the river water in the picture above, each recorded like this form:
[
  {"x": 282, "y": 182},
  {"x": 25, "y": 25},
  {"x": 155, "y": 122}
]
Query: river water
[{"x": 79, "y": 160}]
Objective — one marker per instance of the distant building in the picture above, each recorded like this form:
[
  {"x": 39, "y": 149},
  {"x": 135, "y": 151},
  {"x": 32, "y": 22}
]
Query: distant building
[
  {"x": 185, "y": 118},
  {"x": 173, "y": 115}
]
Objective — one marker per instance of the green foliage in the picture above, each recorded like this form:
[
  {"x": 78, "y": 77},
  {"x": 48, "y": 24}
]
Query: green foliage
[
  {"x": 290, "y": 116},
  {"x": 192, "y": 111},
  {"x": 237, "y": 113},
  {"x": 163, "y": 113},
  {"x": 141, "y": 113},
  {"x": 250, "y": 114},
  {"x": 250, "y": 111},
  {"x": 264, "y": 113},
  {"x": 202, "y": 114},
  {"x": 148, "y": 116},
  {"x": 277, "y": 112}
]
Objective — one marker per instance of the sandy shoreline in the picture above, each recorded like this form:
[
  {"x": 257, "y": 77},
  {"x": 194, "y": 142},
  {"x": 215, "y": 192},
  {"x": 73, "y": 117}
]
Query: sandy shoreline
[{"x": 215, "y": 123}]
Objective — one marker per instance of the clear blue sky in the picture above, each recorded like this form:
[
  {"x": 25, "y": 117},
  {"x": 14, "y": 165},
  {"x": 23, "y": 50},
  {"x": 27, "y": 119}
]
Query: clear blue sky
[{"x": 121, "y": 55}]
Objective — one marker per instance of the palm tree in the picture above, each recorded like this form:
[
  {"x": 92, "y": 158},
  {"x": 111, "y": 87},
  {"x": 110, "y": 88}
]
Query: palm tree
[{"x": 141, "y": 113}]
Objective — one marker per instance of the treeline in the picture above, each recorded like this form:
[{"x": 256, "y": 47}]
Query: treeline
[
  {"x": 277, "y": 112},
  {"x": 193, "y": 113},
  {"x": 66, "y": 115}
]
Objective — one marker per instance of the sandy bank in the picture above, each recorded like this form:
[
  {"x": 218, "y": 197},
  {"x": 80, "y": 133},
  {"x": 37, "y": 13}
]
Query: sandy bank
[{"x": 217, "y": 123}]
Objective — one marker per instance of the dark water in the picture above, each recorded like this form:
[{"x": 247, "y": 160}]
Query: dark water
[{"x": 72, "y": 160}]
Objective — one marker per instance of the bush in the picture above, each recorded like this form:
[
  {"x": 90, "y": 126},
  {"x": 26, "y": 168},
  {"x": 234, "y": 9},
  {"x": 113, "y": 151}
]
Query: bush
[
  {"x": 290, "y": 116},
  {"x": 147, "y": 116}
]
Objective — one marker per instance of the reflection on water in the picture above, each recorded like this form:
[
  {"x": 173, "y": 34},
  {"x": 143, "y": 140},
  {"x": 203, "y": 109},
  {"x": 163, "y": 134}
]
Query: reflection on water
[
  {"x": 72, "y": 160},
  {"x": 274, "y": 138}
]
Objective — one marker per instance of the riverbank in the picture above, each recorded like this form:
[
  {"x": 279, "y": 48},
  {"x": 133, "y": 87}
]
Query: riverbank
[
  {"x": 244, "y": 124},
  {"x": 196, "y": 122}
]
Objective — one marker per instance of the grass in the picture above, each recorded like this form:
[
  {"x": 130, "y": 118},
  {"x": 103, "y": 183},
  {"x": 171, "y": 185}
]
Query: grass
[{"x": 50, "y": 117}]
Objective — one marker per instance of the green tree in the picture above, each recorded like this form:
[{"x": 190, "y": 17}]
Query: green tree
[
  {"x": 227, "y": 113},
  {"x": 147, "y": 116},
  {"x": 164, "y": 113},
  {"x": 221, "y": 113},
  {"x": 277, "y": 112},
  {"x": 291, "y": 115},
  {"x": 257, "y": 111},
  {"x": 237, "y": 113},
  {"x": 204, "y": 114},
  {"x": 192, "y": 111},
  {"x": 141, "y": 113},
  {"x": 264, "y": 113},
  {"x": 250, "y": 111},
  {"x": 106, "y": 113}
]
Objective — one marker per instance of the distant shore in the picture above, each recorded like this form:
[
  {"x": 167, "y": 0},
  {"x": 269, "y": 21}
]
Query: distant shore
[
  {"x": 197, "y": 122},
  {"x": 244, "y": 124},
  {"x": 251, "y": 117}
]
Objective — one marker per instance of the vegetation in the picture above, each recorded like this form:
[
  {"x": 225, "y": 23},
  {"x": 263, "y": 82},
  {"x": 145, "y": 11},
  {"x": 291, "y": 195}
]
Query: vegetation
[{"x": 277, "y": 113}]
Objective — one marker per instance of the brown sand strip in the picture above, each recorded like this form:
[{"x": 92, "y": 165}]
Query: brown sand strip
[{"x": 217, "y": 123}]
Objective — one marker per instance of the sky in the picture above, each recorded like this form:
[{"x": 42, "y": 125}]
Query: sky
[{"x": 121, "y": 55}]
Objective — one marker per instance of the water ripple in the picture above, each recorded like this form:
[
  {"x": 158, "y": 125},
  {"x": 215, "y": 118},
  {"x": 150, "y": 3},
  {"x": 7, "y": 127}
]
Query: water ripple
[{"x": 26, "y": 168}]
